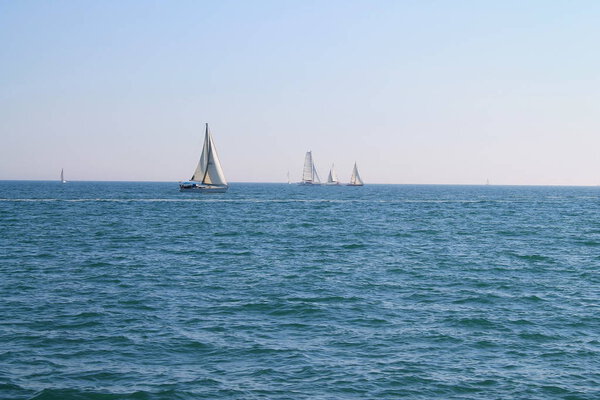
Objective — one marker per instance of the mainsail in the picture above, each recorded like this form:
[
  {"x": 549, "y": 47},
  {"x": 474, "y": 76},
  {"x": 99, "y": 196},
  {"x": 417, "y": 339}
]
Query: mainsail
[
  {"x": 332, "y": 178},
  {"x": 309, "y": 173},
  {"x": 355, "y": 178},
  {"x": 209, "y": 171}
]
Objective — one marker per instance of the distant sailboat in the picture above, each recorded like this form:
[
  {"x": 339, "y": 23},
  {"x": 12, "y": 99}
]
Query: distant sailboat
[
  {"x": 309, "y": 173},
  {"x": 332, "y": 179},
  {"x": 355, "y": 178},
  {"x": 208, "y": 177},
  {"x": 62, "y": 176}
]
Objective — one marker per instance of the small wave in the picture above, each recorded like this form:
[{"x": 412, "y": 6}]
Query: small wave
[
  {"x": 401, "y": 235},
  {"x": 532, "y": 297},
  {"x": 484, "y": 299},
  {"x": 78, "y": 324},
  {"x": 520, "y": 322},
  {"x": 533, "y": 257},
  {"x": 323, "y": 299},
  {"x": 476, "y": 322},
  {"x": 427, "y": 231}
]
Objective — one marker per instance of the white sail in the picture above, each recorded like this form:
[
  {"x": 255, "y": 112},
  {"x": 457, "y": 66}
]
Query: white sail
[
  {"x": 355, "y": 178},
  {"x": 332, "y": 178},
  {"x": 307, "y": 172},
  {"x": 209, "y": 171},
  {"x": 62, "y": 176},
  {"x": 316, "y": 178}
]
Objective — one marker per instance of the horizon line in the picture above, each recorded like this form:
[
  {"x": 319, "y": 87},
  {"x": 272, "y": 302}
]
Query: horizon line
[{"x": 294, "y": 183}]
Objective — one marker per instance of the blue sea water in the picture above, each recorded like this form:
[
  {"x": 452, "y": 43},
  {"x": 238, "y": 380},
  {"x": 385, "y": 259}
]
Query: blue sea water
[{"x": 272, "y": 291}]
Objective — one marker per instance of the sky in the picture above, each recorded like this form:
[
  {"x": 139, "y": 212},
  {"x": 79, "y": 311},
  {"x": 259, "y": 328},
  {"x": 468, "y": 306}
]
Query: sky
[{"x": 416, "y": 92}]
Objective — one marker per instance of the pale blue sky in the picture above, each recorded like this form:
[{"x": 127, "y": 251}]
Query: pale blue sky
[{"x": 414, "y": 91}]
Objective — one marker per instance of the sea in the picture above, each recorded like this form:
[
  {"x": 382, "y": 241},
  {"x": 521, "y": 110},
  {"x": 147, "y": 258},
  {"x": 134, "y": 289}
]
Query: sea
[{"x": 133, "y": 290}]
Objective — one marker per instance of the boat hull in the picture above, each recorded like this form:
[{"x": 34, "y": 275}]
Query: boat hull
[
  {"x": 194, "y": 188},
  {"x": 354, "y": 184},
  {"x": 309, "y": 184}
]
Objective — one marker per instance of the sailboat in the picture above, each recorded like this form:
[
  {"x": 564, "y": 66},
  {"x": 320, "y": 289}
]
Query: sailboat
[
  {"x": 62, "y": 176},
  {"x": 208, "y": 177},
  {"x": 355, "y": 178},
  {"x": 309, "y": 173},
  {"x": 332, "y": 179}
]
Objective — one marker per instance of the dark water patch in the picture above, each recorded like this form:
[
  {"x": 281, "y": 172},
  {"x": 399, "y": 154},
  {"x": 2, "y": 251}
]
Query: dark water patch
[
  {"x": 370, "y": 322},
  {"x": 12, "y": 391},
  {"x": 589, "y": 243},
  {"x": 551, "y": 389},
  {"x": 232, "y": 253},
  {"x": 483, "y": 299},
  {"x": 512, "y": 233},
  {"x": 227, "y": 234},
  {"x": 353, "y": 246},
  {"x": 537, "y": 337},
  {"x": 324, "y": 299},
  {"x": 475, "y": 323}
]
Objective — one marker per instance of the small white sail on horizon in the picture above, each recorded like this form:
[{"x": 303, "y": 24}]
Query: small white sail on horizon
[
  {"x": 309, "y": 172},
  {"x": 209, "y": 173},
  {"x": 62, "y": 176},
  {"x": 332, "y": 179},
  {"x": 355, "y": 179}
]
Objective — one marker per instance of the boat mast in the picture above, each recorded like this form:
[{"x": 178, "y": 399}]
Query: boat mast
[{"x": 208, "y": 147}]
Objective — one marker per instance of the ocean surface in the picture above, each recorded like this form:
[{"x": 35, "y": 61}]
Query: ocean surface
[{"x": 272, "y": 291}]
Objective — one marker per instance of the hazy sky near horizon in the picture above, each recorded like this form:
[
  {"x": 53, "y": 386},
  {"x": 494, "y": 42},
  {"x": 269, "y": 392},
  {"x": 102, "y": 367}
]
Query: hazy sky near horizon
[{"x": 414, "y": 91}]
